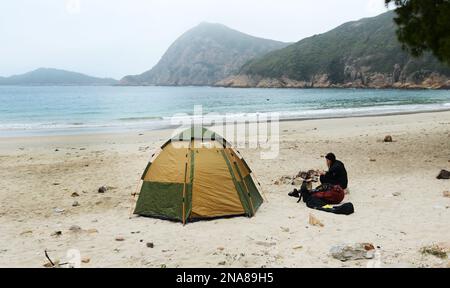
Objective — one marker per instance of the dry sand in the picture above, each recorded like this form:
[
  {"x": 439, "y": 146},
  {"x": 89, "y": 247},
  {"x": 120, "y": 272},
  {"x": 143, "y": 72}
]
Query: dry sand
[{"x": 35, "y": 179}]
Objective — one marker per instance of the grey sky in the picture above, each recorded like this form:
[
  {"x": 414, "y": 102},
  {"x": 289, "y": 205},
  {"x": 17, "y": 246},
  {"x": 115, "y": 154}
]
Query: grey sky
[{"x": 114, "y": 38}]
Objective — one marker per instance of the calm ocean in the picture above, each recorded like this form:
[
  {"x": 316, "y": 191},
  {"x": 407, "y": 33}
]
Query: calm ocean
[{"x": 42, "y": 110}]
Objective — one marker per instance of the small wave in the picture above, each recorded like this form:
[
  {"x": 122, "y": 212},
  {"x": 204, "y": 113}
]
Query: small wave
[{"x": 141, "y": 118}]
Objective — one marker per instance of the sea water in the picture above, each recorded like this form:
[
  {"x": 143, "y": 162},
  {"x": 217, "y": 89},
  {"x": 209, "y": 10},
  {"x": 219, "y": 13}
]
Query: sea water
[{"x": 42, "y": 110}]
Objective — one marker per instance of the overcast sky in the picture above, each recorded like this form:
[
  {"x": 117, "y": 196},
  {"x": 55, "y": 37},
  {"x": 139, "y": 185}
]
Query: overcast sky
[{"x": 114, "y": 38}]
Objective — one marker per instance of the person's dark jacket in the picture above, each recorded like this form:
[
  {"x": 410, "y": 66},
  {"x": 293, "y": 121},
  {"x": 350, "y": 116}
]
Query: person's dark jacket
[{"x": 337, "y": 175}]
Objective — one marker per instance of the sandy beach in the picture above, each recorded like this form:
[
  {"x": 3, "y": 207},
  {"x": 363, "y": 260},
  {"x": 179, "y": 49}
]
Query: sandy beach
[{"x": 38, "y": 176}]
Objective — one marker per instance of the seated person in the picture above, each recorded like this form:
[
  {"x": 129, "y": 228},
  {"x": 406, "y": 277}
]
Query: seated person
[
  {"x": 332, "y": 189},
  {"x": 336, "y": 175}
]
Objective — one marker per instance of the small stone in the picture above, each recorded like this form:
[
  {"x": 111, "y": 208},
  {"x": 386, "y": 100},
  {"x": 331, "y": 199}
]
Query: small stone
[
  {"x": 75, "y": 228},
  {"x": 446, "y": 194},
  {"x": 75, "y": 194},
  {"x": 222, "y": 263},
  {"x": 92, "y": 231},
  {"x": 314, "y": 221},
  {"x": 102, "y": 189},
  {"x": 56, "y": 150},
  {"x": 26, "y": 232},
  {"x": 373, "y": 160},
  {"x": 75, "y": 204},
  {"x": 358, "y": 251},
  {"x": 298, "y": 247},
  {"x": 396, "y": 194},
  {"x": 56, "y": 234},
  {"x": 86, "y": 260},
  {"x": 58, "y": 210},
  {"x": 444, "y": 175},
  {"x": 388, "y": 139},
  {"x": 220, "y": 248},
  {"x": 120, "y": 239},
  {"x": 150, "y": 245}
]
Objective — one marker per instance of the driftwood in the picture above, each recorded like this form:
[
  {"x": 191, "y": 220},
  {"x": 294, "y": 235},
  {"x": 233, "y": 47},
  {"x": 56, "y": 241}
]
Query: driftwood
[{"x": 48, "y": 258}]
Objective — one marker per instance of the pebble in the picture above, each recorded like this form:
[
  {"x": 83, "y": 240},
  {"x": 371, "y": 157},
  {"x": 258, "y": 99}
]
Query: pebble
[
  {"x": 102, "y": 189},
  {"x": 75, "y": 204},
  {"x": 86, "y": 260},
  {"x": 358, "y": 251},
  {"x": 120, "y": 239},
  {"x": 150, "y": 245},
  {"x": 396, "y": 194},
  {"x": 388, "y": 139},
  {"x": 56, "y": 233},
  {"x": 75, "y": 194}
]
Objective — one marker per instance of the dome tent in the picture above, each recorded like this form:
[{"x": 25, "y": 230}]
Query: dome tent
[{"x": 197, "y": 175}]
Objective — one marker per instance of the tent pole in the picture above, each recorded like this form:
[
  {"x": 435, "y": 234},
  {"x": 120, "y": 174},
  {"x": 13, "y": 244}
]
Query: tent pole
[
  {"x": 133, "y": 197},
  {"x": 184, "y": 193}
]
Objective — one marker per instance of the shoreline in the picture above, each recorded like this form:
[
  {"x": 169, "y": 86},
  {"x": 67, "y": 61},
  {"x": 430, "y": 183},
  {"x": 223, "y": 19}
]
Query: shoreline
[{"x": 142, "y": 128}]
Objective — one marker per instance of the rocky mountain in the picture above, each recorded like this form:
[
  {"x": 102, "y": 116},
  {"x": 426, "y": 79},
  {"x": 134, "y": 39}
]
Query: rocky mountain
[
  {"x": 360, "y": 54},
  {"x": 204, "y": 55},
  {"x": 49, "y": 76}
]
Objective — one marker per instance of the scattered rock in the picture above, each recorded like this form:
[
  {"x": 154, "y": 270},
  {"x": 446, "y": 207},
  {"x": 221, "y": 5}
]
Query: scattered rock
[
  {"x": 75, "y": 228},
  {"x": 436, "y": 250},
  {"x": 358, "y": 251},
  {"x": 120, "y": 239},
  {"x": 85, "y": 260},
  {"x": 56, "y": 150},
  {"x": 75, "y": 194},
  {"x": 102, "y": 189},
  {"x": 314, "y": 221},
  {"x": 92, "y": 231},
  {"x": 58, "y": 210},
  {"x": 26, "y": 233},
  {"x": 298, "y": 247},
  {"x": 444, "y": 175},
  {"x": 56, "y": 184},
  {"x": 396, "y": 194},
  {"x": 56, "y": 234},
  {"x": 150, "y": 245},
  {"x": 75, "y": 204},
  {"x": 220, "y": 248},
  {"x": 222, "y": 263},
  {"x": 373, "y": 160},
  {"x": 446, "y": 194},
  {"x": 388, "y": 139}
]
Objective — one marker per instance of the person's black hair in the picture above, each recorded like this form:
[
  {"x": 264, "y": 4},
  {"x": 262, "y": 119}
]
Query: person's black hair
[{"x": 331, "y": 157}]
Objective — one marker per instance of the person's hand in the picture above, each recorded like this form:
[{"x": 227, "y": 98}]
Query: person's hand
[{"x": 322, "y": 173}]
